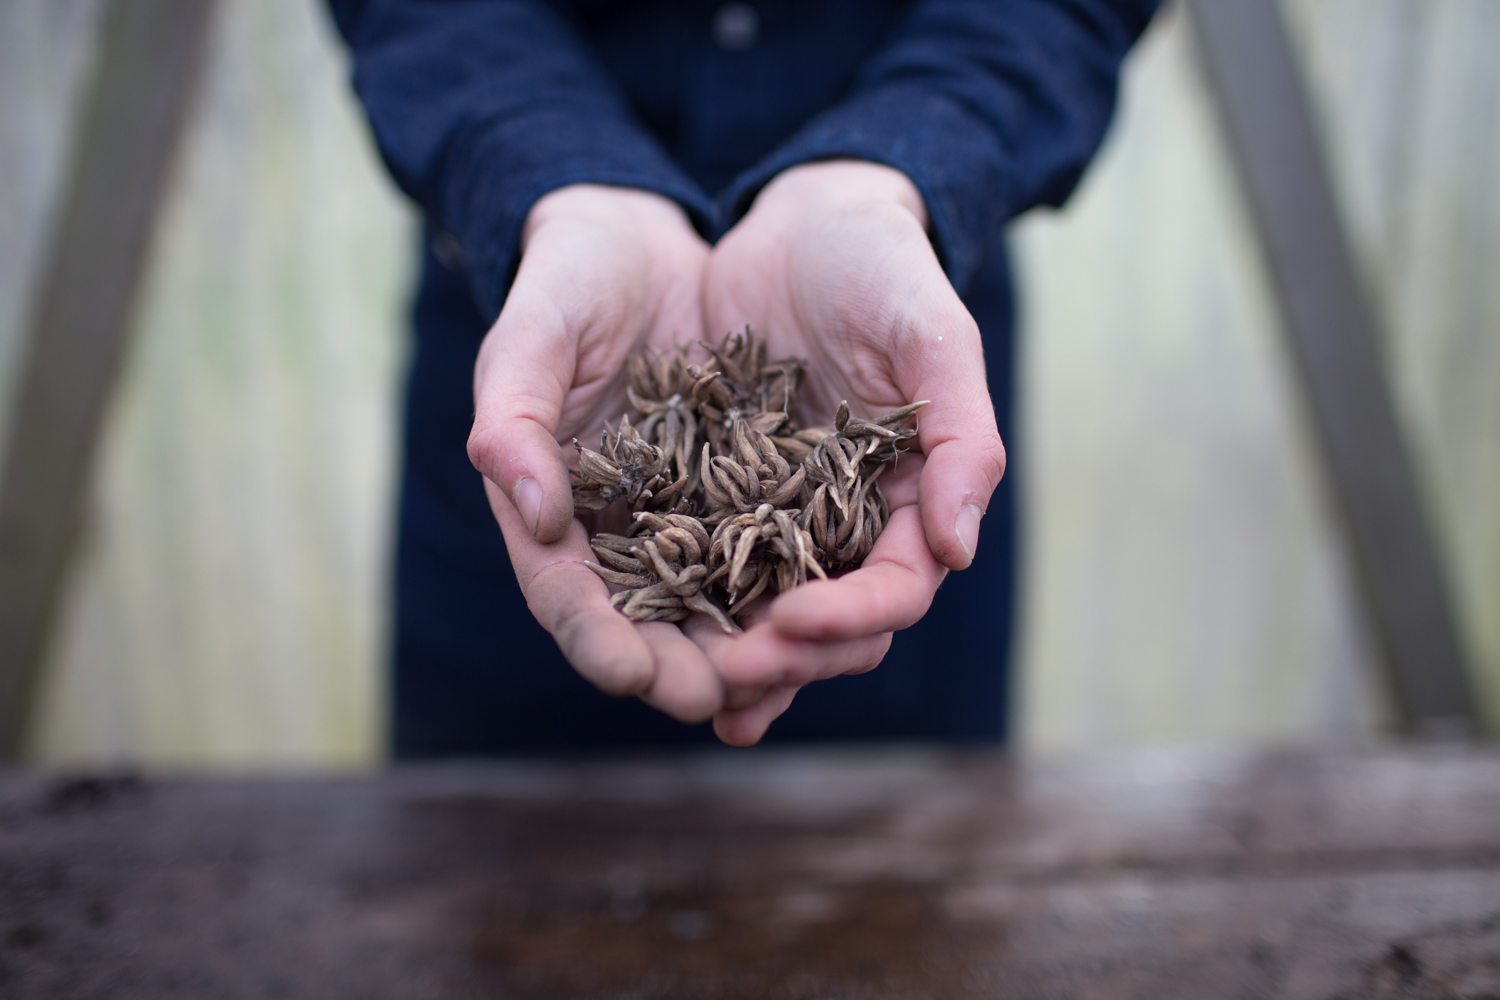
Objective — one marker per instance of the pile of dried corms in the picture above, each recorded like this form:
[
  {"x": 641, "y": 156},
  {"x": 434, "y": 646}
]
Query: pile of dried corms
[{"x": 729, "y": 498}]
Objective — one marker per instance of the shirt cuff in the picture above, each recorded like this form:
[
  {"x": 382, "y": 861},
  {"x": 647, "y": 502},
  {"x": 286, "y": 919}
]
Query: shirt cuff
[
  {"x": 501, "y": 174},
  {"x": 946, "y": 152}
]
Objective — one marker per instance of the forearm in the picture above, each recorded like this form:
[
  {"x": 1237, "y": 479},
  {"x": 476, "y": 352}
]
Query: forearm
[
  {"x": 481, "y": 108},
  {"x": 989, "y": 108}
]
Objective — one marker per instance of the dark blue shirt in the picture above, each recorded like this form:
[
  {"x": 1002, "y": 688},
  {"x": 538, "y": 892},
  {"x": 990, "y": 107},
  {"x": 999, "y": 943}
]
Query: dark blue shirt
[{"x": 479, "y": 107}]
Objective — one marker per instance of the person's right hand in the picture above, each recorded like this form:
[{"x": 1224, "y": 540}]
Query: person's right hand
[{"x": 604, "y": 271}]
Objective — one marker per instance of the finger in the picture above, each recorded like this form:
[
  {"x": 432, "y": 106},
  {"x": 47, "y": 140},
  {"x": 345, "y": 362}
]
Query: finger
[
  {"x": 685, "y": 685},
  {"x": 943, "y": 361},
  {"x": 745, "y": 695},
  {"x": 520, "y": 379},
  {"x": 572, "y": 604},
  {"x": 742, "y": 696},
  {"x": 744, "y": 727},
  {"x": 763, "y": 657},
  {"x": 891, "y": 591}
]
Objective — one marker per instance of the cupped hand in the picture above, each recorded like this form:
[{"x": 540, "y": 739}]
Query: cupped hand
[
  {"x": 604, "y": 272},
  {"x": 833, "y": 264}
]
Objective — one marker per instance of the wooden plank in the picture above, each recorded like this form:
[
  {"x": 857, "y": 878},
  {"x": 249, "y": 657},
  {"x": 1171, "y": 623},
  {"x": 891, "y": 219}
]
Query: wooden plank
[
  {"x": 1335, "y": 345},
  {"x": 149, "y": 54},
  {"x": 894, "y": 874}
]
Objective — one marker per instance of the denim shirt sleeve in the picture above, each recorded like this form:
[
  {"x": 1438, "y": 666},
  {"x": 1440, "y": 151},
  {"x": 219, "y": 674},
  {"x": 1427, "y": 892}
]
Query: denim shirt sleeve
[
  {"x": 990, "y": 107},
  {"x": 480, "y": 107}
]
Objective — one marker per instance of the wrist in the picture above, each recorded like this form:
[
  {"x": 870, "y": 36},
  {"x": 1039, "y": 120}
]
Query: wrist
[
  {"x": 842, "y": 184},
  {"x": 601, "y": 205}
]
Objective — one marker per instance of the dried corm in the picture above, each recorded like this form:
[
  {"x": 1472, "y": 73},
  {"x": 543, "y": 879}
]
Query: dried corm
[
  {"x": 730, "y": 499},
  {"x": 627, "y": 467}
]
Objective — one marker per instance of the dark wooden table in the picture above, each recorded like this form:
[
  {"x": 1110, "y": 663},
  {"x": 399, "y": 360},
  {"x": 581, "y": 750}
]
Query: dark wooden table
[{"x": 758, "y": 874}]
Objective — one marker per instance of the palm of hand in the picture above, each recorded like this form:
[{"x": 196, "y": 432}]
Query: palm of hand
[
  {"x": 816, "y": 291},
  {"x": 649, "y": 303}
]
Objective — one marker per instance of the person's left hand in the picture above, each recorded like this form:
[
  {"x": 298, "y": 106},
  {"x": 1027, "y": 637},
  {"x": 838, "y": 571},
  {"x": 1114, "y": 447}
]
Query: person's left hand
[{"x": 833, "y": 264}]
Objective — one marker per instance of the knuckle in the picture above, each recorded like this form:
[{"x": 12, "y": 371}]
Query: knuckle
[
  {"x": 623, "y": 679},
  {"x": 483, "y": 449},
  {"x": 882, "y": 646},
  {"x": 545, "y": 588},
  {"x": 922, "y": 328},
  {"x": 689, "y": 702},
  {"x": 989, "y": 457},
  {"x": 900, "y": 600},
  {"x": 695, "y": 711},
  {"x": 992, "y": 459},
  {"x": 875, "y": 657},
  {"x": 492, "y": 449},
  {"x": 616, "y": 673}
]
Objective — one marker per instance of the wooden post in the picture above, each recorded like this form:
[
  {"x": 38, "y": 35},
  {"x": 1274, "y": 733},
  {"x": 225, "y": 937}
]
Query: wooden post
[
  {"x": 132, "y": 115},
  {"x": 1334, "y": 343}
]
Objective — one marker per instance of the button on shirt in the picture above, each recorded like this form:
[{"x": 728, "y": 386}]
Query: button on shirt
[
  {"x": 736, "y": 26},
  {"x": 479, "y": 107}
]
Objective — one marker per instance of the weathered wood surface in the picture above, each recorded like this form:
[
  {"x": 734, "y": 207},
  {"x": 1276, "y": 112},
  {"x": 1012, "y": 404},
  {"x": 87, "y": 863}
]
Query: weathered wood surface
[{"x": 899, "y": 874}]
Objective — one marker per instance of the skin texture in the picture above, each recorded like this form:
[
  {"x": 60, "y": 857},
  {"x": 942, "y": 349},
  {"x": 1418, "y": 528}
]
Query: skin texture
[{"x": 833, "y": 264}]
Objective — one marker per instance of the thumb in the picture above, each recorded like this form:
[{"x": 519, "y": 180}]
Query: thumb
[
  {"x": 520, "y": 379},
  {"x": 965, "y": 457}
]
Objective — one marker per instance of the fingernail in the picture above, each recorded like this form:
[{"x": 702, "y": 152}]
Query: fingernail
[
  {"x": 528, "y": 500},
  {"x": 966, "y": 527}
]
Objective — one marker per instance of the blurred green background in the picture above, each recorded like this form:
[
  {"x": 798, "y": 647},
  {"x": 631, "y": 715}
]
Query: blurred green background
[{"x": 1184, "y": 579}]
